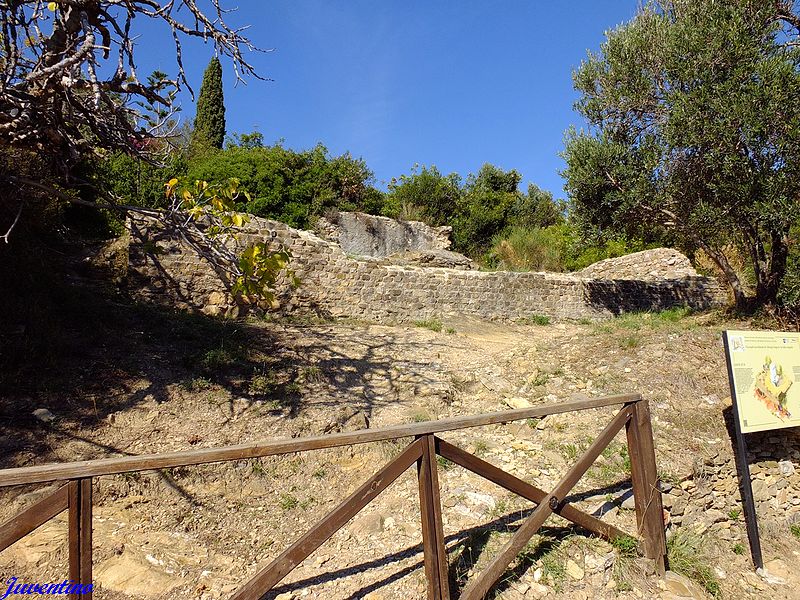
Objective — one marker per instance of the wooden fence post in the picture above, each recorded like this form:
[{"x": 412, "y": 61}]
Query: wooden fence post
[
  {"x": 80, "y": 534},
  {"x": 644, "y": 477},
  {"x": 432, "y": 532}
]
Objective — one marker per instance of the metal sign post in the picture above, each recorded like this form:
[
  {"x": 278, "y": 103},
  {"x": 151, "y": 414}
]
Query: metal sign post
[
  {"x": 743, "y": 470},
  {"x": 764, "y": 377}
]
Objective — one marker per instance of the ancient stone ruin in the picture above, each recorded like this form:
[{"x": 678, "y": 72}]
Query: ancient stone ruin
[
  {"x": 370, "y": 267},
  {"x": 369, "y": 235}
]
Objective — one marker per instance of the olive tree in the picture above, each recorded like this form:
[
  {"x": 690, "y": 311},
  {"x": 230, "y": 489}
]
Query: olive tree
[{"x": 693, "y": 112}]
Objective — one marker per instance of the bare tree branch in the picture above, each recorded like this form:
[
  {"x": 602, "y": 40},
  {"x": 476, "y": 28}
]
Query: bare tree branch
[
  {"x": 6, "y": 235},
  {"x": 58, "y": 95}
]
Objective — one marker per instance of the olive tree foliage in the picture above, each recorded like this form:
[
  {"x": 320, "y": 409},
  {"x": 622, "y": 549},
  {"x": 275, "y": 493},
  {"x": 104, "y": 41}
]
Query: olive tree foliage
[
  {"x": 70, "y": 91},
  {"x": 693, "y": 110}
]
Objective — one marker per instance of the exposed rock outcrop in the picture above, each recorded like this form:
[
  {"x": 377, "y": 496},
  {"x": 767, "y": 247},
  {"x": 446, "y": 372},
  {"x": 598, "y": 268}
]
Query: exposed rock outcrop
[{"x": 361, "y": 234}]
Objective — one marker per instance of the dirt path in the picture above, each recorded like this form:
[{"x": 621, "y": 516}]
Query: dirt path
[{"x": 169, "y": 382}]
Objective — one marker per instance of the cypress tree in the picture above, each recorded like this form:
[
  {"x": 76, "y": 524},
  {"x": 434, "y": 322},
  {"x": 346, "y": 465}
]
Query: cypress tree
[{"x": 209, "y": 124}]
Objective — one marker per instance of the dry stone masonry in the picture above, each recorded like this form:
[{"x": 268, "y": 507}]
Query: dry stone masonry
[
  {"x": 335, "y": 283},
  {"x": 648, "y": 265},
  {"x": 710, "y": 498}
]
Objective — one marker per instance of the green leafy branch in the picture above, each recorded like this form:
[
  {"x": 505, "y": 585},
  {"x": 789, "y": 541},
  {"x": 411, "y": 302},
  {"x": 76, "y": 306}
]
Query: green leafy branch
[{"x": 205, "y": 216}]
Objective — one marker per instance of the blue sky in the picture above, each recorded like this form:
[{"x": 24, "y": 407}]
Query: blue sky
[{"x": 454, "y": 84}]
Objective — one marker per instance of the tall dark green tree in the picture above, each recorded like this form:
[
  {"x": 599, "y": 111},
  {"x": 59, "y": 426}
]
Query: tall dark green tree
[
  {"x": 485, "y": 208},
  {"x": 694, "y": 131},
  {"x": 209, "y": 124}
]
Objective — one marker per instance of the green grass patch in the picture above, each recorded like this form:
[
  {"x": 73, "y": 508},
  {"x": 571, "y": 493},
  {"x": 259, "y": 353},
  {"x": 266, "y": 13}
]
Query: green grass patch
[
  {"x": 628, "y": 342},
  {"x": 670, "y": 319},
  {"x": 535, "y": 320},
  {"x": 479, "y": 448},
  {"x": 288, "y": 502},
  {"x": 215, "y": 359},
  {"x": 569, "y": 451},
  {"x": 541, "y": 378},
  {"x": 669, "y": 477},
  {"x": 555, "y": 569},
  {"x": 419, "y": 417},
  {"x": 310, "y": 374},
  {"x": 672, "y": 315},
  {"x": 261, "y": 384},
  {"x": 197, "y": 384},
  {"x": 687, "y": 555},
  {"x": 432, "y": 324},
  {"x": 617, "y": 465},
  {"x": 444, "y": 463},
  {"x": 626, "y": 546},
  {"x": 795, "y": 530}
]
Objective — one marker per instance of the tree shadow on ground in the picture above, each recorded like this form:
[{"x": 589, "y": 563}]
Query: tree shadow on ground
[
  {"x": 464, "y": 550},
  {"x": 80, "y": 347}
]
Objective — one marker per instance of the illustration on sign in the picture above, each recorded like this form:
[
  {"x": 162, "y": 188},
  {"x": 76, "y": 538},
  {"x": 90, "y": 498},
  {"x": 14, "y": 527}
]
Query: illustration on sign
[{"x": 765, "y": 367}]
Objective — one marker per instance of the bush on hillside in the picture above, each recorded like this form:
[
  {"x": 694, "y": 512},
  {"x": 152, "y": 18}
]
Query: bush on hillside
[
  {"x": 291, "y": 186},
  {"x": 553, "y": 248}
]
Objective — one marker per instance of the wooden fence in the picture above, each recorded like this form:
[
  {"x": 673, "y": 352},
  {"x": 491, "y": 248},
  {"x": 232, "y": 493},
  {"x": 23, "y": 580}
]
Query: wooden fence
[{"x": 76, "y": 495}]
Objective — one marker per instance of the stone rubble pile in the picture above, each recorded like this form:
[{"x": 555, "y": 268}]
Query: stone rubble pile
[{"x": 712, "y": 497}]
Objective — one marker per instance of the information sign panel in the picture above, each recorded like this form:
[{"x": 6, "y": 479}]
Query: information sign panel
[{"x": 765, "y": 372}]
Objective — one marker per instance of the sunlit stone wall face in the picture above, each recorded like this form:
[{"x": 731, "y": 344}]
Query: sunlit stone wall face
[{"x": 165, "y": 270}]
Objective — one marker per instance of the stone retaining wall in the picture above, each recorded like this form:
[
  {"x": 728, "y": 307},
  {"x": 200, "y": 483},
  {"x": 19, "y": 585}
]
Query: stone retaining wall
[{"x": 163, "y": 269}]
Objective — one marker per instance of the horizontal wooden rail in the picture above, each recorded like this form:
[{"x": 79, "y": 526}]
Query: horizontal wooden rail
[{"x": 147, "y": 462}]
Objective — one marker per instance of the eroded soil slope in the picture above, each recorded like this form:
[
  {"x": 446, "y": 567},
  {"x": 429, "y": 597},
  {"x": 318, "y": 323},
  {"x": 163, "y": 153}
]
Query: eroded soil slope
[{"x": 135, "y": 380}]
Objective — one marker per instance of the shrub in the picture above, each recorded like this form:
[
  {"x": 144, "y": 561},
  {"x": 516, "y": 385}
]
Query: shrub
[
  {"x": 291, "y": 186},
  {"x": 559, "y": 247},
  {"x": 530, "y": 249}
]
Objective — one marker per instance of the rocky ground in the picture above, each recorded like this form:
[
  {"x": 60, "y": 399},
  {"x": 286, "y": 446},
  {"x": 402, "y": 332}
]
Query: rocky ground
[{"x": 137, "y": 380}]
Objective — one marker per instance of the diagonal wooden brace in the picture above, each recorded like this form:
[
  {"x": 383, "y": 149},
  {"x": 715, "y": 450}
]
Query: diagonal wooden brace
[
  {"x": 269, "y": 576},
  {"x": 526, "y": 490},
  {"x": 480, "y": 586},
  {"x": 34, "y": 516}
]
